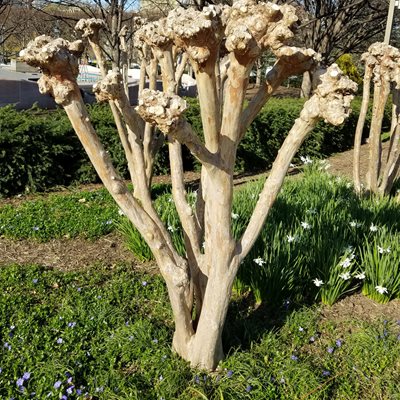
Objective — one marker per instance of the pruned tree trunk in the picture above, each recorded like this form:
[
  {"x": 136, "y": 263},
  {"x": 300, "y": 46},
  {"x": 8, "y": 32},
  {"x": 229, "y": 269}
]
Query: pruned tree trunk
[
  {"x": 360, "y": 127},
  {"x": 306, "y": 85},
  {"x": 201, "y": 281},
  {"x": 393, "y": 158},
  {"x": 382, "y": 65}
]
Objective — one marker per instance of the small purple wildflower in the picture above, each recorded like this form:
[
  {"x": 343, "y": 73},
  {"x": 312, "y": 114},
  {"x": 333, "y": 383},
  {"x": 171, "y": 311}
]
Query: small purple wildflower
[
  {"x": 71, "y": 324},
  {"x": 197, "y": 380},
  {"x": 1, "y": 370},
  {"x": 229, "y": 373},
  {"x": 70, "y": 389},
  {"x": 59, "y": 340},
  {"x": 35, "y": 280},
  {"x": 7, "y": 346},
  {"x": 155, "y": 341},
  {"x": 127, "y": 323},
  {"x": 339, "y": 343},
  {"x": 69, "y": 380},
  {"x": 20, "y": 382},
  {"x": 26, "y": 376},
  {"x": 78, "y": 392},
  {"x": 330, "y": 350},
  {"x": 64, "y": 397},
  {"x": 79, "y": 289},
  {"x": 249, "y": 388},
  {"x": 99, "y": 297},
  {"x": 294, "y": 358},
  {"x": 57, "y": 385},
  {"x": 68, "y": 374},
  {"x": 144, "y": 283},
  {"x": 326, "y": 373}
]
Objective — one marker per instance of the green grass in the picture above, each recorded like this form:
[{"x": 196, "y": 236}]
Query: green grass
[
  {"x": 107, "y": 332},
  {"x": 86, "y": 214},
  {"x": 116, "y": 330},
  {"x": 78, "y": 214}
]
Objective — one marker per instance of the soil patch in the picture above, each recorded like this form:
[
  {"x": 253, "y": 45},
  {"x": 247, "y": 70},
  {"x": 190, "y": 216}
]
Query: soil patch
[
  {"x": 342, "y": 163},
  {"x": 361, "y": 308},
  {"x": 67, "y": 254}
]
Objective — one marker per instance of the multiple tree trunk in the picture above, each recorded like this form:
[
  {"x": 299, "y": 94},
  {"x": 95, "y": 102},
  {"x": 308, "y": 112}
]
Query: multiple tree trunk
[
  {"x": 381, "y": 66},
  {"x": 200, "y": 283}
]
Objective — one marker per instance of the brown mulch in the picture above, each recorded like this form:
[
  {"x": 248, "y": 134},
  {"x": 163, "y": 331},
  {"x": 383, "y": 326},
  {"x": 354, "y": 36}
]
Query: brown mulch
[{"x": 342, "y": 163}]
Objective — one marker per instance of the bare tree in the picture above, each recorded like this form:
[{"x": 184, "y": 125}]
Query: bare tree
[
  {"x": 118, "y": 17},
  {"x": 199, "y": 283},
  {"x": 336, "y": 27},
  {"x": 13, "y": 19},
  {"x": 381, "y": 66}
]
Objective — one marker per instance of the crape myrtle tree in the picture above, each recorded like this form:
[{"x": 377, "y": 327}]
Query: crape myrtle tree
[
  {"x": 200, "y": 282},
  {"x": 382, "y": 67}
]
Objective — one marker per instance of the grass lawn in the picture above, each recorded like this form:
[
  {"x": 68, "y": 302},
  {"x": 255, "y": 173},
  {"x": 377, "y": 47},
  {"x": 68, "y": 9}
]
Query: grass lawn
[{"x": 105, "y": 332}]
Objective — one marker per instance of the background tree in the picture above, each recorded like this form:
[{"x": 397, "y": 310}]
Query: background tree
[
  {"x": 200, "y": 281},
  {"x": 336, "y": 27},
  {"x": 115, "y": 13},
  {"x": 381, "y": 67}
]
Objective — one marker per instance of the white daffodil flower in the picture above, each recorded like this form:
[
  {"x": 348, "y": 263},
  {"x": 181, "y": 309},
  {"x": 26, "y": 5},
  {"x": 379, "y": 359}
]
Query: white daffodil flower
[
  {"x": 317, "y": 282},
  {"x": 346, "y": 263},
  {"x": 259, "y": 261},
  {"x": 373, "y": 228},
  {"x": 381, "y": 289},
  {"x": 360, "y": 276},
  {"x": 306, "y": 160},
  {"x": 345, "y": 276},
  {"x": 305, "y": 225}
]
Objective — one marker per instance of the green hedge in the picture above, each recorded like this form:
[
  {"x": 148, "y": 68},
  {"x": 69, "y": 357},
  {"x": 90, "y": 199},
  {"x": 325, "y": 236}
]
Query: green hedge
[{"x": 38, "y": 149}]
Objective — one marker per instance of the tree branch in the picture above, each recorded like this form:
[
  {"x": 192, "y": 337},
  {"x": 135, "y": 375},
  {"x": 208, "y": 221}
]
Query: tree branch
[{"x": 331, "y": 102}]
